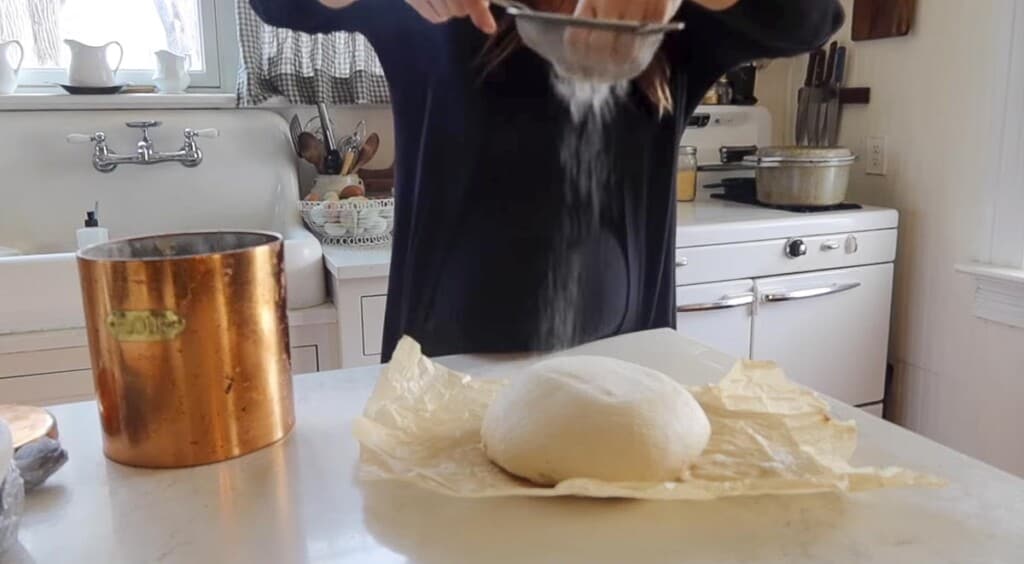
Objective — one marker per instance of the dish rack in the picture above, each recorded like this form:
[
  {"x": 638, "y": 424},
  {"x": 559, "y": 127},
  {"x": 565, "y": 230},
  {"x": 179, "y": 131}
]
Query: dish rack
[{"x": 350, "y": 223}]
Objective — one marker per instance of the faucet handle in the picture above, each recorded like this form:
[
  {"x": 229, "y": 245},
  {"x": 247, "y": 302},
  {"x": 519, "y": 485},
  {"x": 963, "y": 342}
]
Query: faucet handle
[
  {"x": 144, "y": 124},
  {"x": 208, "y": 133},
  {"x": 80, "y": 138}
]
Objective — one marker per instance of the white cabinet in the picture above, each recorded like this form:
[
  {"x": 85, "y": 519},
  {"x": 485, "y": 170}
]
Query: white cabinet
[
  {"x": 46, "y": 377},
  {"x": 718, "y": 315},
  {"x": 360, "y": 304},
  {"x": 372, "y": 309},
  {"x": 304, "y": 360},
  {"x": 48, "y": 389},
  {"x": 828, "y": 330},
  {"x": 875, "y": 409},
  {"x": 52, "y": 367}
]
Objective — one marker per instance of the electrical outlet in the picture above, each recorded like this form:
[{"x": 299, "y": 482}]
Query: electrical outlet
[{"x": 876, "y": 156}]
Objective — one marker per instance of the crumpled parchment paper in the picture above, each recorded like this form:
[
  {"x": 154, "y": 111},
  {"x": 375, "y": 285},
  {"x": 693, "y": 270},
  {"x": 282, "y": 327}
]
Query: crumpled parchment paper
[{"x": 768, "y": 436}]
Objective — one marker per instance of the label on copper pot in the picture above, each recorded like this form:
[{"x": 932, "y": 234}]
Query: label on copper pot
[{"x": 145, "y": 326}]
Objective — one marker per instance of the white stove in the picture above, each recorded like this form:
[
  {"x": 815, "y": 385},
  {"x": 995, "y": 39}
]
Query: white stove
[{"x": 811, "y": 291}]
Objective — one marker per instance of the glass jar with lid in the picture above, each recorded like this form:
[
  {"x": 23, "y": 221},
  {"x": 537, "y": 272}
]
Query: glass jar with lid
[{"x": 686, "y": 174}]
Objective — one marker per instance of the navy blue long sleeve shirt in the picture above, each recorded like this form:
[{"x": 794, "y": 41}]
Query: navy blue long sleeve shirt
[{"x": 482, "y": 205}]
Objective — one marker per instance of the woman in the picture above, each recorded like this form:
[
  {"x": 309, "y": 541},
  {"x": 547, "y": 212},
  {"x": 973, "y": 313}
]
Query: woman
[{"x": 519, "y": 227}]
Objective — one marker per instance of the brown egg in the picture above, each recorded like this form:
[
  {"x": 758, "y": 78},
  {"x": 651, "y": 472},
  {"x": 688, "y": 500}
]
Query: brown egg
[
  {"x": 353, "y": 191},
  {"x": 313, "y": 197}
]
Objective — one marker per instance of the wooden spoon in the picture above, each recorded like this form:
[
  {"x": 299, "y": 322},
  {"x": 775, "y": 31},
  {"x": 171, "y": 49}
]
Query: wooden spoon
[
  {"x": 312, "y": 150},
  {"x": 367, "y": 152}
]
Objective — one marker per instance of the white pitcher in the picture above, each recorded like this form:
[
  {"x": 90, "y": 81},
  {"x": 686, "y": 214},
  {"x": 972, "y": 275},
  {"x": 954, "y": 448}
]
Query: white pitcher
[
  {"x": 89, "y": 65},
  {"x": 8, "y": 73},
  {"x": 171, "y": 72}
]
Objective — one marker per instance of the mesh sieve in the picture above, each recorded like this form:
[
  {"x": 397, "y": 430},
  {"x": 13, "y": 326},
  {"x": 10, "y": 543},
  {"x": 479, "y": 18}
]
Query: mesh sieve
[{"x": 590, "y": 49}]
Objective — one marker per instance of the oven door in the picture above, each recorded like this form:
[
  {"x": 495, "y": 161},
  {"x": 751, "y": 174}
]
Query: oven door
[
  {"x": 828, "y": 330},
  {"x": 717, "y": 315}
]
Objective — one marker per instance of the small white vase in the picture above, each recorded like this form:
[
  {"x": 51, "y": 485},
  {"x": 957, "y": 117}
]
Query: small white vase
[{"x": 171, "y": 75}]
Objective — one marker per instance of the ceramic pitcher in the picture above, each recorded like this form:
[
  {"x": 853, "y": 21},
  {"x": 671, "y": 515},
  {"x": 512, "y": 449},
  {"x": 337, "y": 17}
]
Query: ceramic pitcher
[
  {"x": 89, "y": 65},
  {"x": 8, "y": 72},
  {"x": 171, "y": 72}
]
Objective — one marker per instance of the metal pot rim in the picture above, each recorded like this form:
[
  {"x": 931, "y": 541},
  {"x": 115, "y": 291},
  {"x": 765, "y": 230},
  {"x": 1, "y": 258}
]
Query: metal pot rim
[
  {"x": 105, "y": 252},
  {"x": 758, "y": 161}
]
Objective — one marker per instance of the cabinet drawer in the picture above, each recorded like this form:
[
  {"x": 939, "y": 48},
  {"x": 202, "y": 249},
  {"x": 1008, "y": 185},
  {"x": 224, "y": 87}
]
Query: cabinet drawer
[
  {"x": 373, "y": 323},
  {"x": 828, "y": 330},
  {"x": 717, "y": 315},
  {"x": 44, "y": 362},
  {"x": 305, "y": 360},
  {"x": 48, "y": 389},
  {"x": 696, "y": 265}
]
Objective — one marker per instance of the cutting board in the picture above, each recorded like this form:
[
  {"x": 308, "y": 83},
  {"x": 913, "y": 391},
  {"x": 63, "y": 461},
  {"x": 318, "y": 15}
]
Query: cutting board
[{"x": 877, "y": 19}]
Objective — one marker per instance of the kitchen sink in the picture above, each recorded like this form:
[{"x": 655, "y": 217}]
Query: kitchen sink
[{"x": 247, "y": 180}]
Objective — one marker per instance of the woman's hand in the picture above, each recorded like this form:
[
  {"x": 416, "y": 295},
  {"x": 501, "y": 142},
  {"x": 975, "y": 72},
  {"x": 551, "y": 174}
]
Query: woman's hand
[{"x": 440, "y": 11}]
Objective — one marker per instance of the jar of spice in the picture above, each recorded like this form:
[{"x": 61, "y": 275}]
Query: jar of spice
[{"x": 686, "y": 174}]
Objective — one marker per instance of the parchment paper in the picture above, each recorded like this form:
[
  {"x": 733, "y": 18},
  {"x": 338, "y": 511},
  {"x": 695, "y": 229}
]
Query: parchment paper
[{"x": 768, "y": 436}]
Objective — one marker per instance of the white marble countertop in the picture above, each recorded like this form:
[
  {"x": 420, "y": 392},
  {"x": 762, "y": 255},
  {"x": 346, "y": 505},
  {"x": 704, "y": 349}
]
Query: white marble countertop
[
  {"x": 704, "y": 222},
  {"x": 298, "y": 501},
  {"x": 355, "y": 262}
]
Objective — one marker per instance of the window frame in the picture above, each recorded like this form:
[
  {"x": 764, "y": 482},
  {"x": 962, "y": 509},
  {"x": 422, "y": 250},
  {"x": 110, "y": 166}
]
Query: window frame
[
  {"x": 998, "y": 265},
  {"x": 218, "y": 41}
]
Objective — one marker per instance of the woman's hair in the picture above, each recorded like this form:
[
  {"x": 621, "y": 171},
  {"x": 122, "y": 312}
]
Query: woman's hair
[{"x": 653, "y": 82}]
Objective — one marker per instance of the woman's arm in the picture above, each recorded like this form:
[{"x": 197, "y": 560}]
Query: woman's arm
[
  {"x": 736, "y": 31},
  {"x": 313, "y": 16},
  {"x": 722, "y": 34},
  {"x": 325, "y": 16}
]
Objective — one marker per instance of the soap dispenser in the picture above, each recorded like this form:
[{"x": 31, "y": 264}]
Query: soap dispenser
[{"x": 92, "y": 233}]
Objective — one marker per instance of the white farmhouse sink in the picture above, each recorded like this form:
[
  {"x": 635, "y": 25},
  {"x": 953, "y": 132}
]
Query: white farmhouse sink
[{"x": 247, "y": 181}]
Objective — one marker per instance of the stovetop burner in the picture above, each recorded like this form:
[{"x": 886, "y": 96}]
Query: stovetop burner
[
  {"x": 743, "y": 191},
  {"x": 752, "y": 200}
]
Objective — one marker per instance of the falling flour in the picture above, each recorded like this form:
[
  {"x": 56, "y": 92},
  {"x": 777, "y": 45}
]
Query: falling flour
[{"x": 585, "y": 156}]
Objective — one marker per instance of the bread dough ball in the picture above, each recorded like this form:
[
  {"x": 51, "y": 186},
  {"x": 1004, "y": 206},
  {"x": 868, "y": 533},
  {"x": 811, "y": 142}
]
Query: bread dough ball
[{"x": 593, "y": 417}]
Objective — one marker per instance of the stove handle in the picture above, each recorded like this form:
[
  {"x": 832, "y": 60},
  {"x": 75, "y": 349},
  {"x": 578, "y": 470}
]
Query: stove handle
[
  {"x": 727, "y": 302},
  {"x": 792, "y": 295}
]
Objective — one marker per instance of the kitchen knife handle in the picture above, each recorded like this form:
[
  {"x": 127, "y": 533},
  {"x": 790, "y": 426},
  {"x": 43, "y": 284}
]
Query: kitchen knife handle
[
  {"x": 812, "y": 61},
  {"x": 840, "y": 74},
  {"x": 830, "y": 64},
  {"x": 819, "y": 68}
]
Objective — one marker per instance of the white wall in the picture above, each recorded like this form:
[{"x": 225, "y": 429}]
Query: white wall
[{"x": 959, "y": 379}]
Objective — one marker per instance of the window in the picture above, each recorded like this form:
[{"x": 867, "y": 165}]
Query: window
[
  {"x": 202, "y": 29},
  {"x": 999, "y": 266}
]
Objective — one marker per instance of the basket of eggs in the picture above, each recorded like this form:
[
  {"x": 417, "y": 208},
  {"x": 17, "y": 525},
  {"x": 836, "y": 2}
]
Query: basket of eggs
[{"x": 339, "y": 212}]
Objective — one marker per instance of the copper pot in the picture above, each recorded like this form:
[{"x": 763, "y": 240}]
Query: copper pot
[{"x": 188, "y": 335}]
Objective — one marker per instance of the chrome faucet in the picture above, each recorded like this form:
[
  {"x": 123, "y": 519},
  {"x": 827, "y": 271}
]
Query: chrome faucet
[{"x": 104, "y": 160}]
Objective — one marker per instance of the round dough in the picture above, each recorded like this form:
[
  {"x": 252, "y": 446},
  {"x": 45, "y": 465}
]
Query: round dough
[{"x": 592, "y": 417}]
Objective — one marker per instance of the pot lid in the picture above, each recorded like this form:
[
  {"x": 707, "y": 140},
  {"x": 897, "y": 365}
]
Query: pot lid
[{"x": 805, "y": 152}]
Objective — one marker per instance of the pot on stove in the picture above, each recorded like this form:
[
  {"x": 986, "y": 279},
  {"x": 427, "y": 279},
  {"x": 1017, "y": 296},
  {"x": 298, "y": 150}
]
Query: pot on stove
[{"x": 802, "y": 176}]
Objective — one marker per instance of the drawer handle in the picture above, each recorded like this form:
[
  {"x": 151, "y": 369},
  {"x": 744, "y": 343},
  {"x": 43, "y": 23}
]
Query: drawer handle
[
  {"x": 682, "y": 261},
  {"x": 727, "y": 302},
  {"x": 831, "y": 246},
  {"x": 791, "y": 295}
]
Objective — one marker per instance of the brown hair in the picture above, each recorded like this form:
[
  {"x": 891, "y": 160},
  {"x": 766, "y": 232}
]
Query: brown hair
[{"x": 653, "y": 82}]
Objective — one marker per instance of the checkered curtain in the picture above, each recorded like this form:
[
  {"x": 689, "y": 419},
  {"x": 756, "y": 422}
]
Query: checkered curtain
[{"x": 339, "y": 68}]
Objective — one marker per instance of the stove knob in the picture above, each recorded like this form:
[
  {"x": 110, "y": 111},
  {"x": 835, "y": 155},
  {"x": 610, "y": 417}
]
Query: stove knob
[
  {"x": 852, "y": 246},
  {"x": 796, "y": 248}
]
